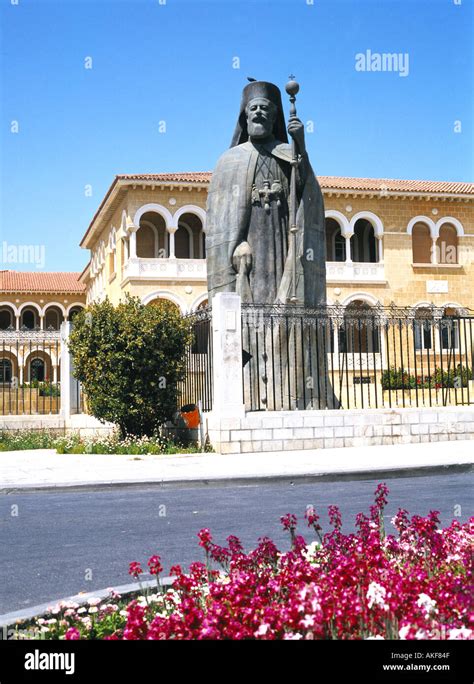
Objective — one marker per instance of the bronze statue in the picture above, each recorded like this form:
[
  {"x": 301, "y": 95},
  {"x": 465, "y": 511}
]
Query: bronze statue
[{"x": 251, "y": 247}]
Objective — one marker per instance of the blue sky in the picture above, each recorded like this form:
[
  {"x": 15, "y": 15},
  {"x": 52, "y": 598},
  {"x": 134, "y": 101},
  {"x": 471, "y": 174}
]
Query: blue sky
[{"x": 173, "y": 61}]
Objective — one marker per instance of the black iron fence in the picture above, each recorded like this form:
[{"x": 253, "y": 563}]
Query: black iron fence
[
  {"x": 356, "y": 357},
  {"x": 197, "y": 384},
  {"x": 30, "y": 380}
]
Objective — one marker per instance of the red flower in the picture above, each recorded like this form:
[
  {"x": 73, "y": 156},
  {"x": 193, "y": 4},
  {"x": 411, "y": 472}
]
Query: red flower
[
  {"x": 154, "y": 563},
  {"x": 205, "y": 538},
  {"x": 135, "y": 569}
]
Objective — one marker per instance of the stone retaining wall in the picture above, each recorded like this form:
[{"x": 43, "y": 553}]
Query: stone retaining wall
[{"x": 294, "y": 430}]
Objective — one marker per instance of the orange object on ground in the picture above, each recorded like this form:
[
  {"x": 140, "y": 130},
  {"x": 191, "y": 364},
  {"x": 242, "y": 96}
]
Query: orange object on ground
[{"x": 190, "y": 414}]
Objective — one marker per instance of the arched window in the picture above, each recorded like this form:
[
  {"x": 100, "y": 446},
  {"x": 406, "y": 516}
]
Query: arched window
[
  {"x": 421, "y": 244},
  {"x": 183, "y": 245},
  {"x": 29, "y": 319},
  {"x": 363, "y": 242},
  {"x": 449, "y": 330},
  {"x": 193, "y": 225},
  {"x": 335, "y": 241},
  {"x": 37, "y": 370},
  {"x": 53, "y": 318},
  {"x": 5, "y": 370},
  {"x": 146, "y": 240},
  {"x": 447, "y": 245},
  {"x": 423, "y": 326},
  {"x": 152, "y": 236},
  {"x": 359, "y": 332},
  {"x": 73, "y": 312},
  {"x": 163, "y": 302},
  {"x": 6, "y": 319}
]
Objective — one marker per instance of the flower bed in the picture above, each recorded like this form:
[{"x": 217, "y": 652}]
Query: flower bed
[
  {"x": 364, "y": 585},
  {"x": 74, "y": 444}
]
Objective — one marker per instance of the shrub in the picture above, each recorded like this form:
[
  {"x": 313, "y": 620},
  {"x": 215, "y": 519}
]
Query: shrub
[{"x": 130, "y": 359}]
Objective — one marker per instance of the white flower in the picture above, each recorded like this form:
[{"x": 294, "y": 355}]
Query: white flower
[
  {"x": 427, "y": 603},
  {"x": 81, "y": 610},
  {"x": 403, "y": 632},
  {"x": 375, "y": 637},
  {"x": 94, "y": 601},
  {"x": 53, "y": 621},
  {"x": 93, "y": 609},
  {"x": 292, "y": 636},
  {"x": 462, "y": 633},
  {"x": 123, "y": 613},
  {"x": 307, "y": 621},
  {"x": 262, "y": 630},
  {"x": 311, "y": 551},
  {"x": 376, "y": 596}
]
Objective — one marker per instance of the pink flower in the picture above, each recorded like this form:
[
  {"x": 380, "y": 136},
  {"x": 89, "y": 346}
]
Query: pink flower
[{"x": 72, "y": 634}]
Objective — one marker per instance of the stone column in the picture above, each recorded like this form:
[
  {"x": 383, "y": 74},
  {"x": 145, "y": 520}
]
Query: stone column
[
  {"x": 55, "y": 373},
  {"x": 20, "y": 370},
  {"x": 133, "y": 242},
  {"x": 227, "y": 352},
  {"x": 41, "y": 322},
  {"x": 434, "y": 251},
  {"x": 348, "y": 248},
  {"x": 17, "y": 322},
  {"x": 171, "y": 231},
  {"x": 69, "y": 384},
  {"x": 380, "y": 248}
]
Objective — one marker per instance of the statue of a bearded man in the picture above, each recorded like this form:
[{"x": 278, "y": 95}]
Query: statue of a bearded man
[{"x": 247, "y": 239}]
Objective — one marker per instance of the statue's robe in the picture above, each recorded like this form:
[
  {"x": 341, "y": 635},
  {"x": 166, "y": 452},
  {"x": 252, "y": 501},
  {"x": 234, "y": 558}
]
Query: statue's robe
[{"x": 232, "y": 218}]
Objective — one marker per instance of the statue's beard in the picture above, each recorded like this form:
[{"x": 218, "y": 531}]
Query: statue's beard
[{"x": 259, "y": 130}]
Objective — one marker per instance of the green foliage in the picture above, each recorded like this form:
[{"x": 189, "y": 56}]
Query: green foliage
[
  {"x": 75, "y": 444},
  {"x": 130, "y": 359},
  {"x": 26, "y": 439},
  {"x": 395, "y": 379}
]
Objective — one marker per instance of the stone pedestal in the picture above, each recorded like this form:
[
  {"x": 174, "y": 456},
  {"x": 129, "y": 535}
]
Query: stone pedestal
[{"x": 227, "y": 355}]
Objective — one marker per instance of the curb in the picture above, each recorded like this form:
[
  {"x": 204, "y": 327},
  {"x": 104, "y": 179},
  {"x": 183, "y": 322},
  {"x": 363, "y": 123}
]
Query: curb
[
  {"x": 13, "y": 618},
  {"x": 384, "y": 472}
]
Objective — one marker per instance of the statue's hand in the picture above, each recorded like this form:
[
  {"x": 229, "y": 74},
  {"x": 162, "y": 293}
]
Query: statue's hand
[
  {"x": 296, "y": 131},
  {"x": 242, "y": 258}
]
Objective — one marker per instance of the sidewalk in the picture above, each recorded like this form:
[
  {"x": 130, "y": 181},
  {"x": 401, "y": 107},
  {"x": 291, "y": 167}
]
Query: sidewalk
[{"x": 44, "y": 469}]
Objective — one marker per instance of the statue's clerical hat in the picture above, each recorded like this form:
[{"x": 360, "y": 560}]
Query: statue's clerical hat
[{"x": 260, "y": 89}]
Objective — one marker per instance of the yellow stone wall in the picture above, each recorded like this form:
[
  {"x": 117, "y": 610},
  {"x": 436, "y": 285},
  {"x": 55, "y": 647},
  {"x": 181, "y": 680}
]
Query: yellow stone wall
[{"x": 406, "y": 284}]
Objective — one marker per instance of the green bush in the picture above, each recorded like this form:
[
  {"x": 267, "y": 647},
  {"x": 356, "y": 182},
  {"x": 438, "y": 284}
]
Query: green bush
[
  {"x": 130, "y": 360},
  {"x": 395, "y": 379}
]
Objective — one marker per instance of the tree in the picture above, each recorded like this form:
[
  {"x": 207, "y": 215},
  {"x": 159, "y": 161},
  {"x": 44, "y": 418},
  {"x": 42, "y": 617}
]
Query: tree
[{"x": 130, "y": 359}]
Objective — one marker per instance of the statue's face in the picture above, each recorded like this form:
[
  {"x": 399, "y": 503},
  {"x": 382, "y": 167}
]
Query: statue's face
[{"x": 261, "y": 114}]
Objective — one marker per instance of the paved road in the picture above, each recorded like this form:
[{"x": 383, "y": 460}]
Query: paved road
[{"x": 61, "y": 543}]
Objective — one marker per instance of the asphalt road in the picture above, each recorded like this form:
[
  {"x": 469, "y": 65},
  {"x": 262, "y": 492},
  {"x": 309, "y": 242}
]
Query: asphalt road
[{"x": 54, "y": 545}]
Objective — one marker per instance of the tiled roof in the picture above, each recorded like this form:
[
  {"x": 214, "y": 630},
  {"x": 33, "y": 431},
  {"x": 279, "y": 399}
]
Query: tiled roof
[
  {"x": 22, "y": 281},
  {"x": 326, "y": 182}
]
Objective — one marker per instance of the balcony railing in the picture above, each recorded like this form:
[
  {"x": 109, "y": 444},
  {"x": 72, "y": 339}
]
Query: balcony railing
[
  {"x": 355, "y": 272},
  {"x": 173, "y": 269}
]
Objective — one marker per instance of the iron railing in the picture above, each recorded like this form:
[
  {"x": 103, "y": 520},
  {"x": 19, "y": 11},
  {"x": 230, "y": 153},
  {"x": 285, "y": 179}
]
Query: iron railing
[
  {"x": 197, "y": 384},
  {"x": 30, "y": 372},
  {"x": 356, "y": 357}
]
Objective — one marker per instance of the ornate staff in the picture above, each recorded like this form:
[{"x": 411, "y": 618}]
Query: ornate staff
[{"x": 292, "y": 87}]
